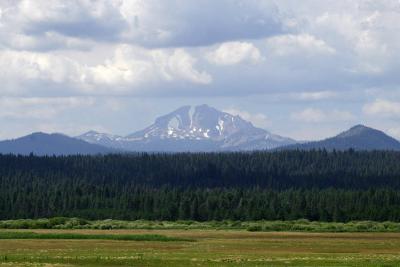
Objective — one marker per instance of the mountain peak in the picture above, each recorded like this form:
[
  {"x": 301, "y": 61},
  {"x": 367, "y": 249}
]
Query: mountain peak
[
  {"x": 43, "y": 135},
  {"x": 39, "y": 134},
  {"x": 358, "y": 137},
  {"x": 198, "y": 128},
  {"x": 359, "y": 127},
  {"x": 357, "y": 130}
]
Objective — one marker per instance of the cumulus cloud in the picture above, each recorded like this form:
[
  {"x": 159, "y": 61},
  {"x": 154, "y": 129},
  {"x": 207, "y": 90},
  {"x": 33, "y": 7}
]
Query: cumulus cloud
[
  {"x": 383, "y": 107},
  {"x": 133, "y": 66},
  {"x": 190, "y": 23},
  {"x": 129, "y": 68},
  {"x": 314, "y": 115},
  {"x": 149, "y": 23},
  {"x": 286, "y": 45},
  {"x": 47, "y": 41},
  {"x": 264, "y": 50},
  {"x": 365, "y": 29},
  {"x": 232, "y": 53},
  {"x": 27, "y": 73},
  {"x": 333, "y": 46},
  {"x": 78, "y": 18}
]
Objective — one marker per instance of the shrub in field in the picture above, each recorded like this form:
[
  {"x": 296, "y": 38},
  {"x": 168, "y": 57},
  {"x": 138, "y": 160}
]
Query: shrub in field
[
  {"x": 296, "y": 225},
  {"x": 254, "y": 228}
]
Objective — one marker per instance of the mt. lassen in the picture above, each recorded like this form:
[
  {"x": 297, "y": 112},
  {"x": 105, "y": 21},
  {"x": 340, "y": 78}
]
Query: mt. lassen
[{"x": 201, "y": 128}]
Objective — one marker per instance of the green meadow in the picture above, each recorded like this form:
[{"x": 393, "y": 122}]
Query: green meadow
[{"x": 195, "y": 247}]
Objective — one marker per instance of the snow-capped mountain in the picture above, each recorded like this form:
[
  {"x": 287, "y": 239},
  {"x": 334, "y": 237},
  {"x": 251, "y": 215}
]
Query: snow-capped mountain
[
  {"x": 201, "y": 128},
  {"x": 107, "y": 140}
]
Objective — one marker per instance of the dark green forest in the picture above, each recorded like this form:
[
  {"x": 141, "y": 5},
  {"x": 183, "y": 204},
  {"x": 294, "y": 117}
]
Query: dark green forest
[{"x": 287, "y": 185}]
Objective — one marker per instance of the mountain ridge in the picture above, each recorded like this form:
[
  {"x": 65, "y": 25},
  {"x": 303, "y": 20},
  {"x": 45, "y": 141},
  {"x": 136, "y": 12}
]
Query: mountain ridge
[
  {"x": 40, "y": 144},
  {"x": 358, "y": 137},
  {"x": 194, "y": 129}
]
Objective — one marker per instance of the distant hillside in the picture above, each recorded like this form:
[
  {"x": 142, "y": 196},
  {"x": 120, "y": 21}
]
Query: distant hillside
[
  {"x": 51, "y": 144},
  {"x": 358, "y": 137}
]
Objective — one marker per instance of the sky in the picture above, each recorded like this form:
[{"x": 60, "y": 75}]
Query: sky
[{"x": 304, "y": 69}]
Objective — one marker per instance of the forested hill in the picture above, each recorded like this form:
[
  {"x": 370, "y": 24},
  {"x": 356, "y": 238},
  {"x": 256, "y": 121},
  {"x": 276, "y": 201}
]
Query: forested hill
[{"x": 316, "y": 185}]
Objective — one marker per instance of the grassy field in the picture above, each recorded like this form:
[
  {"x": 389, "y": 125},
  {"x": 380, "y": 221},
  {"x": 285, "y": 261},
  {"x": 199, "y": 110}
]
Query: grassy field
[
  {"x": 210, "y": 248},
  {"x": 82, "y": 236}
]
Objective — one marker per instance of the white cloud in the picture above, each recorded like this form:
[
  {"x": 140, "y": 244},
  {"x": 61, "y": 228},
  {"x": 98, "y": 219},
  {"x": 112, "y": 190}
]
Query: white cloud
[
  {"x": 285, "y": 45},
  {"x": 327, "y": 51},
  {"x": 130, "y": 68},
  {"x": 314, "y": 115},
  {"x": 383, "y": 107},
  {"x": 320, "y": 95},
  {"x": 359, "y": 33},
  {"x": 188, "y": 23},
  {"x": 38, "y": 107},
  {"x": 362, "y": 32},
  {"x": 47, "y": 41},
  {"x": 330, "y": 46},
  {"x": 258, "y": 119},
  {"x": 149, "y": 23},
  {"x": 180, "y": 65},
  {"x": 67, "y": 18},
  {"x": 232, "y": 53},
  {"x": 27, "y": 73}
]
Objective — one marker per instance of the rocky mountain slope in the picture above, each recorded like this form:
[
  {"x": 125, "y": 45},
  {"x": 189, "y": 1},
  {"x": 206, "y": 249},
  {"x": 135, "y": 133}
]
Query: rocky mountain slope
[{"x": 201, "y": 128}]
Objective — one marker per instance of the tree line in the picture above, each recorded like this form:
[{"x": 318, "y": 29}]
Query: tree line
[{"x": 287, "y": 185}]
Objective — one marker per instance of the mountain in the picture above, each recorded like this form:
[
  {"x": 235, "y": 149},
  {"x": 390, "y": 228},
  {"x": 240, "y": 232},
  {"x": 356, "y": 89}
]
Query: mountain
[
  {"x": 103, "y": 139},
  {"x": 358, "y": 137},
  {"x": 201, "y": 128},
  {"x": 51, "y": 144}
]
